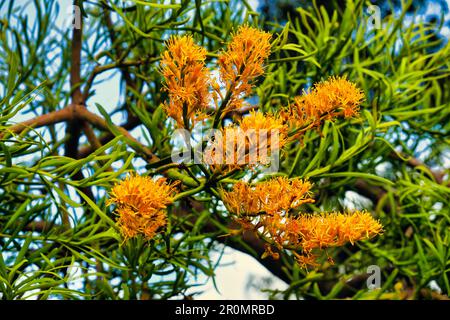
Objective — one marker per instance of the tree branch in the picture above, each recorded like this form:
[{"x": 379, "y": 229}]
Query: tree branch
[
  {"x": 414, "y": 163},
  {"x": 249, "y": 241},
  {"x": 73, "y": 129},
  {"x": 65, "y": 114},
  {"x": 79, "y": 113},
  {"x": 119, "y": 64},
  {"x": 129, "y": 125}
]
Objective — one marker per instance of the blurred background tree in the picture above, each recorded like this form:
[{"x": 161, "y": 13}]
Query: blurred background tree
[{"x": 62, "y": 147}]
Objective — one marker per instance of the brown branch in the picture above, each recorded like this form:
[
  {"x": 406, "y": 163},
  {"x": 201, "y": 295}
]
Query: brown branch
[
  {"x": 90, "y": 135},
  {"x": 119, "y": 64},
  {"x": 65, "y": 114},
  {"x": 374, "y": 193},
  {"x": 73, "y": 130},
  {"x": 250, "y": 239},
  {"x": 75, "y": 70},
  {"x": 78, "y": 112},
  {"x": 414, "y": 163},
  {"x": 93, "y": 141},
  {"x": 430, "y": 294},
  {"x": 40, "y": 226},
  {"x": 107, "y": 137},
  {"x": 100, "y": 123}
]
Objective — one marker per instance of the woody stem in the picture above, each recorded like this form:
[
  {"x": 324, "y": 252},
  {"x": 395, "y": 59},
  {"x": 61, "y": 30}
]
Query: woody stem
[
  {"x": 221, "y": 108},
  {"x": 227, "y": 99},
  {"x": 189, "y": 192}
]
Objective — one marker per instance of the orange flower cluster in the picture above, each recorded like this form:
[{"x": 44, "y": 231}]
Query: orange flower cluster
[
  {"x": 250, "y": 142},
  {"x": 325, "y": 101},
  {"x": 271, "y": 196},
  {"x": 242, "y": 63},
  {"x": 332, "y": 229},
  {"x": 264, "y": 208},
  {"x": 187, "y": 80},
  {"x": 141, "y": 203},
  {"x": 259, "y": 121}
]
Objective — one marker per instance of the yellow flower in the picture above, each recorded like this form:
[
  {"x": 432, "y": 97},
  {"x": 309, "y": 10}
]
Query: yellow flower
[
  {"x": 141, "y": 203},
  {"x": 248, "y": 143},
  {"x": 326, "y": 100},
  {"x": 132, "y": 223},
  {"x": 187, "y": 80},
  {"x": 271, "y": 196},
  {"x": 306, "y": 261},
  {"x": 310, "y": 233},
  {"x": 265, "y": 209},
  {"x": 243, "y": 62},
  {"x": 335, "y": 229},
  {"x": 259, "y": 121}
]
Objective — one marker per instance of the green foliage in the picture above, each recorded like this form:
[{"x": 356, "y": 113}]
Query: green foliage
[
  {"x": 405, "y": 116},
  {"x": 58, "y": 239}
]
